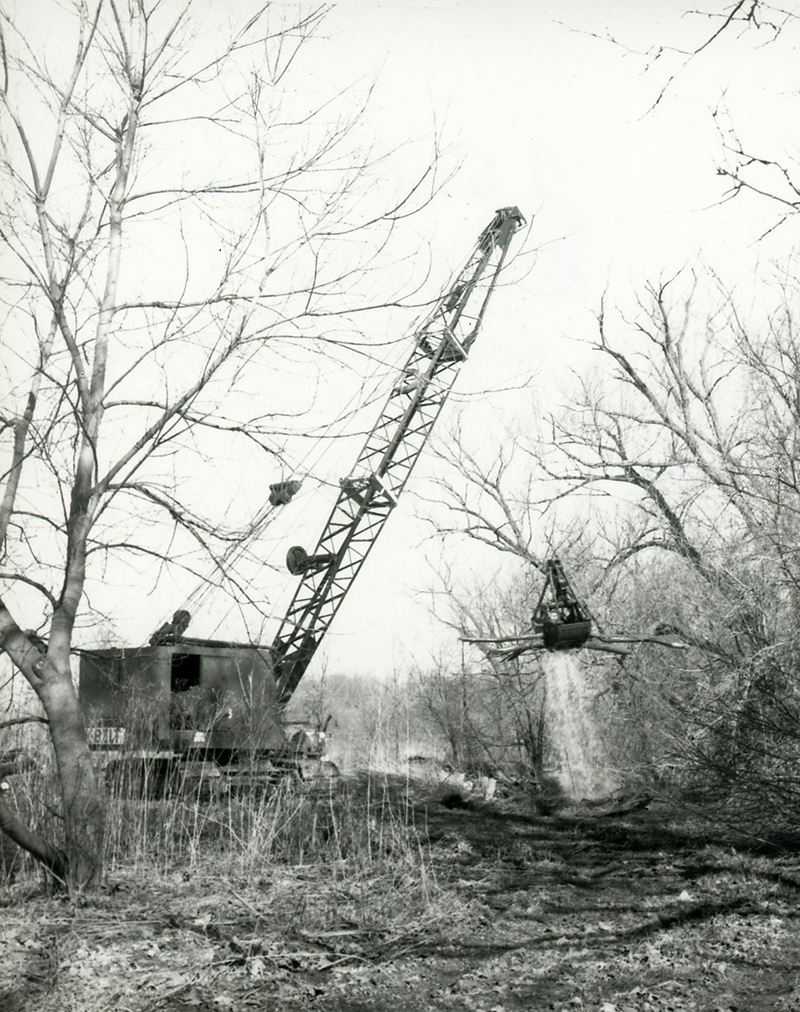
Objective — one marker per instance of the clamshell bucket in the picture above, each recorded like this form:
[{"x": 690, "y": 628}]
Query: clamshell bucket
[
  {"x": 565, "y": 635},
  {"x": 564, "y": 622}
]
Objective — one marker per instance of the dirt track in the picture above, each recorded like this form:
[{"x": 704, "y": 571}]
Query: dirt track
[
  {"x": 592, "y": 913},
  {"x": 630, "y": 914}
]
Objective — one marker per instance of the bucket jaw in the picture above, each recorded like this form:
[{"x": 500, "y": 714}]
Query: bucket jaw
[{"x": 563, "y": 621}]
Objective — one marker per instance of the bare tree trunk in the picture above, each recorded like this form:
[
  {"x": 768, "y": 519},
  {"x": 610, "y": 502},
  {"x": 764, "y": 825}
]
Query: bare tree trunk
[
  {"x": 78, "y": 863},
  {"x": 81, "y": 794},
  {"x": 90, "y": 439},
  {"x": 16, "y": 830}
]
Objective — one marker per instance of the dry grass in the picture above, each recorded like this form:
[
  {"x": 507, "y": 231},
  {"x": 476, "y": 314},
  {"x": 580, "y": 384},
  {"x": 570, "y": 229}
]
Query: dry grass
[
  {"x": 364, "y": 821},
  {"x": 373, "y": 895},
  {"x": 288, "y": 823},
  {"x": 260, "y": 882}
]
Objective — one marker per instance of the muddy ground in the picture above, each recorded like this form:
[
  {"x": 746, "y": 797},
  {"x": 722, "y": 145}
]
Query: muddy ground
[{"x": 505, "y": 910}]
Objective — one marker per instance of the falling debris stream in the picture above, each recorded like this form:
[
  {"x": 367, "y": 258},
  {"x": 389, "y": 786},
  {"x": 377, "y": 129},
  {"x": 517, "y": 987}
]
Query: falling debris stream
[{"x": 577, "y": 748}]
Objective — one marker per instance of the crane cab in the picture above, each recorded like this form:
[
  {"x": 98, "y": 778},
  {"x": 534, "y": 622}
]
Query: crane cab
[{"x": 205, "y": 696}]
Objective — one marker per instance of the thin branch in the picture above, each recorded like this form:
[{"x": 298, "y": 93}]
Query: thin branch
[{"x": 15, "y": 721}]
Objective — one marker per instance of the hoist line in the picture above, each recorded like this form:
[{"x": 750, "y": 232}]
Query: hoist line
[
  {"x": 377, "y": 393},
  {"x": 301, "y": 467},
  {"x": 377, "y": 382}
]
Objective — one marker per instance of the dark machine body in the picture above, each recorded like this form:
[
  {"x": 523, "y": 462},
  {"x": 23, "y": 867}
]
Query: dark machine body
[{"x": 192, "y": 696}]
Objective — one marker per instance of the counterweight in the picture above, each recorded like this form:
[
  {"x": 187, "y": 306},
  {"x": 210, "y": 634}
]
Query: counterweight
[{"x": 368, "y": 495}]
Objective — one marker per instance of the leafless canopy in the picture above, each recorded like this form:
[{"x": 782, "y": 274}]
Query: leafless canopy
[{"x": 188, "y": 228}]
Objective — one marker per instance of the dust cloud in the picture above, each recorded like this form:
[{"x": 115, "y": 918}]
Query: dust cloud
[{"x": 576, "y": 742}]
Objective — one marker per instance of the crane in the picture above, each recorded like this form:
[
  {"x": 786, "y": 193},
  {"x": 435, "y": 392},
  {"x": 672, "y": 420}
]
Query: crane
[
  {"x": 214, "y": 699},
  {"x": 370, "y": 492},
  {"x": 222, "y": 700}
]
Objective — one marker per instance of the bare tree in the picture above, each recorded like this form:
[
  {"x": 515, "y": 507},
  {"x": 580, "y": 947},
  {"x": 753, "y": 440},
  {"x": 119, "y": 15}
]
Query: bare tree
[
  {"x": 684, "y": 446},
  {"x": 491, "y": 503},
  {"x": 759, "y": 172},
  {"x": 490, "y": 708},
  {"x": 180, "y": 222}
]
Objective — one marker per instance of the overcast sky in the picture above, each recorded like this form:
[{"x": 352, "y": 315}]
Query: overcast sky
[
  {"x": 539, "y": 109},
  {"x": 543, "y": 112}
]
